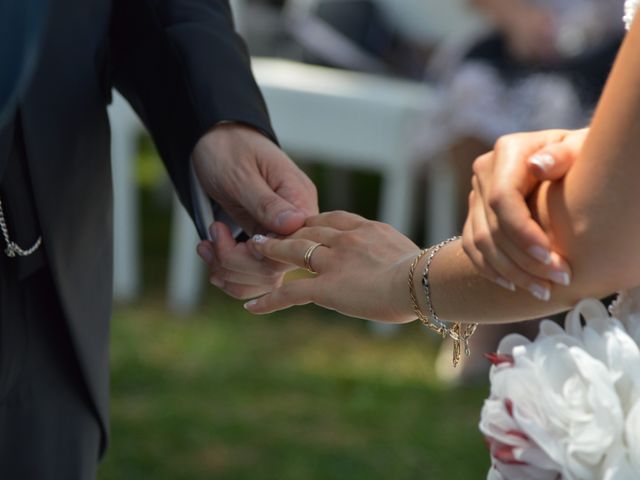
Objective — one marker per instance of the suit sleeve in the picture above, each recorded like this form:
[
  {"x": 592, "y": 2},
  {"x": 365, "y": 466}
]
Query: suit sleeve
[{"x": 184, "y": 69}]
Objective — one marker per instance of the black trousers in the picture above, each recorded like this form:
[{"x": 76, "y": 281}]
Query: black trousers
[{"x": 48, "y": 428}]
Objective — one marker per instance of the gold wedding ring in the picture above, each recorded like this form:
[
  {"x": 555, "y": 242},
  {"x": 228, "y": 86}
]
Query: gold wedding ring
[{"x": 307, "y": 257}]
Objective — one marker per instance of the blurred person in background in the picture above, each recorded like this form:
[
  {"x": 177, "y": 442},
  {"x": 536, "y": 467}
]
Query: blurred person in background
[
  {"x": 187, "y": 74},
  {"x": 543, "y": 65}
]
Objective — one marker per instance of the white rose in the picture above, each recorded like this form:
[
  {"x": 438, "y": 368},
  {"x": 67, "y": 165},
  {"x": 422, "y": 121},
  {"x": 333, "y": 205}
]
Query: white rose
[
  {"x": 608, "y": 340},
  {"x": 632, "y": 441},
  {"x": 556, "y": 407}
]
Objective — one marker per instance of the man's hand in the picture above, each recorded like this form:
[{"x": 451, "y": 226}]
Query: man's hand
[
  {"x": 253, "y": 180},
  {"x": 500, "y": 236},
  {"x": 263, "y": 191}
]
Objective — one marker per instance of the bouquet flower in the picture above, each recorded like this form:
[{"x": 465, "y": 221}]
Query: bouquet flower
[{"x": 567, "y": 405}]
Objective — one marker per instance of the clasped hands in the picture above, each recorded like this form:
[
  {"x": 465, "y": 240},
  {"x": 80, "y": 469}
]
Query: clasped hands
[{"x": 362, "y": 265}]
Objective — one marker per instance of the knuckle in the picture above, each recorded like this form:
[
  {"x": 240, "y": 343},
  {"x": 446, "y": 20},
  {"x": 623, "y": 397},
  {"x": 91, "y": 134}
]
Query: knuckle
[
  {"x": 479, "y": 164},
  {"x": 467, "y": 246},
  {"x": 304, "y": 232},
  {"x": 375, "y": 226},
  {"x": 237, "y": 291},
  {"x": 495, "y": 198},
  {"x": 349, "y": 238},
  {"x": 503, "y": 143},
  {"x": 471, "y": 199},
  {"x": 222, "y": 274},
  {"x": 313, "y": 190},
  {"x": 483, "y": 241},
  {"x": 266, "y": 203},
  {"x": 283, "y": 294},
  {"x": 384, "y": 227}
]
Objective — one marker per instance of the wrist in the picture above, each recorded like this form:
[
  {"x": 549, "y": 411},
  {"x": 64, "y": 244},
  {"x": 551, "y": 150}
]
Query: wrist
[
  {"x": 399, "y": 294},
  {"x": 418, "y": 287},
  {"x": 430, "y": 268}
]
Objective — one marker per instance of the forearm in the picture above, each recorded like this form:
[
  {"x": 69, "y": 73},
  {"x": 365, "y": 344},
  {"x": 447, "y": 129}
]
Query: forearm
[{"x": 460, "y": 293}]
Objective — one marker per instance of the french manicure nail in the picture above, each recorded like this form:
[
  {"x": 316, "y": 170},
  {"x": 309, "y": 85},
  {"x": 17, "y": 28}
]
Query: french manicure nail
[
  {"x": 540, "y": 253},
  {"x": 504, "y": 283},
  {"x": 561, "y": 278},
  {"x": 540, "y": 292},
  {"x": 250, "y": 304},
  {"x": 217, "y": 282},
  {"x": 259, "y": 239},
  {"x": 544, "y": 161}
]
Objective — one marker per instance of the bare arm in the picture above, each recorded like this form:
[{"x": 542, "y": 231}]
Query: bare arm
[{"x": 592, "y": 216}]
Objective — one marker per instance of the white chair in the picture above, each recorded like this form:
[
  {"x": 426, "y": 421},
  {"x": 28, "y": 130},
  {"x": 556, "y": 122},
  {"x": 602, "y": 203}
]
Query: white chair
[{"x": 125, "y": 129}]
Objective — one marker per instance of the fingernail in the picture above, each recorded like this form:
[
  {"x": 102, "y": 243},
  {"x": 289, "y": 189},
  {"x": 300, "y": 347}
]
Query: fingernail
[
  {"x": 561, "y": 278},
  {"x": 205, "y": 254},
  {"x": 541, "y": 254},
  {"x": 259, "y": 239},
  {"x": 217, "y": 282},
  {"x": 504, "y": 283},
  {"x": 250, "y": 303},
  {"x": 213, "y": 233},
  {"x": 540, "y": 292},
  {"x": 285, "y": 216},
  {"x": 544, "y": 161}
]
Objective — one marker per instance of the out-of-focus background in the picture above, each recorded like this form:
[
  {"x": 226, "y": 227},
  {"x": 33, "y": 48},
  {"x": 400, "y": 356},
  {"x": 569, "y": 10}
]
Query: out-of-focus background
[{"x": 385, "y": 103}]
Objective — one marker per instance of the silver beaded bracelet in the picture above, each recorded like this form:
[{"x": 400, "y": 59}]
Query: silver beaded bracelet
[{"x": 457, "y": 332}]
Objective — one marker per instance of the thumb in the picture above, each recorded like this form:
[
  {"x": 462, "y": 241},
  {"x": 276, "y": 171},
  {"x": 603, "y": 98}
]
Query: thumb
[
  {"x": 271, "y": 211},
  {"x": 553, "y": 161}
]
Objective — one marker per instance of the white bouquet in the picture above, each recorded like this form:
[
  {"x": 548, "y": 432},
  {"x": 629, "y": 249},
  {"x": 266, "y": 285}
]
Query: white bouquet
[{"x": 567, "y": 405}]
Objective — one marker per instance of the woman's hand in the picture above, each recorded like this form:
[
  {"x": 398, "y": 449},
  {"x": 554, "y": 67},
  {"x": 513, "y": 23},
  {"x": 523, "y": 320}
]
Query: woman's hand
[
  {"x": 236, "y": 268},
  {"x": 500, "y": 236},
  {"x": 362, "y": 268}
]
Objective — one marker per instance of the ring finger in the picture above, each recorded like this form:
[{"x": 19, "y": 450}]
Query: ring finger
[{"x": 294, "y": 251}]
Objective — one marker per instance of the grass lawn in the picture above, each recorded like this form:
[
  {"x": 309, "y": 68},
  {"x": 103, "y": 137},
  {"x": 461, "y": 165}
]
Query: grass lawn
[{"x": 301, "y": 395}]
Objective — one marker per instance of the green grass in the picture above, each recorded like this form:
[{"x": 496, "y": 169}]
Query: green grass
[{"x": 305, "y": 395}]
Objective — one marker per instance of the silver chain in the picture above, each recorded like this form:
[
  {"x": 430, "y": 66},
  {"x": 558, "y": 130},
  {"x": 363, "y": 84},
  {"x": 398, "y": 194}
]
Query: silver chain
[{"x": 13, "y": 249}]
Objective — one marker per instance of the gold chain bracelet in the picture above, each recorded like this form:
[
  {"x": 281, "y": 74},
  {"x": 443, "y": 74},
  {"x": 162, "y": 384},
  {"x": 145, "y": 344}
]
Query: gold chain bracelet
[{"x": 459, "y": 334}]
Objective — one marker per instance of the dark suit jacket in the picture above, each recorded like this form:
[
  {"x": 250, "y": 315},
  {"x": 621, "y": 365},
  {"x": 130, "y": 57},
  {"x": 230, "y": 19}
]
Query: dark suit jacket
[{"x": 183, "y": 68}]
